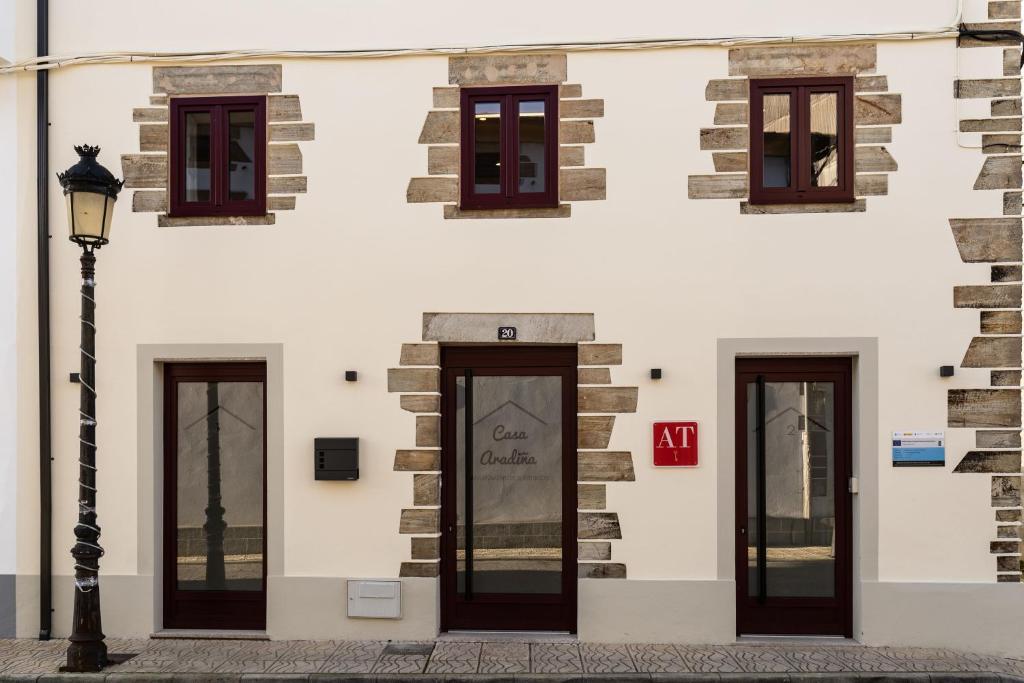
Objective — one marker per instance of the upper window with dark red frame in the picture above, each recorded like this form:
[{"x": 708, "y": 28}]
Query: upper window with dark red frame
[
  {"x": 801, "y": 140},
  {"x": 509, "y": 147},
  {"x": 218, "y": 156}
]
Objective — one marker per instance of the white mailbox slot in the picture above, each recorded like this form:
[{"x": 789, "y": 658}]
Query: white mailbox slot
[{"x": 375, "y": 599}]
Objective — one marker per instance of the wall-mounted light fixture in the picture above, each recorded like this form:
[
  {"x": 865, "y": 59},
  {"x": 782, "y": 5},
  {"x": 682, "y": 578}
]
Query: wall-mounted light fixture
[
  {"x": 655, "y": 373},
  {"x": 351, "y": 376},
  {"x": 946, "y": 371}
]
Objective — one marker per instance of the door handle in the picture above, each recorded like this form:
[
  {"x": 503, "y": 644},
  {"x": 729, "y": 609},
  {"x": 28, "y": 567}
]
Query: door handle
[{"x": 743, "y": 530}]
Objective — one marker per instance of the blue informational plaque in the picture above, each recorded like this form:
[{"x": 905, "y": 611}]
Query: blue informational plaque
[{"x": 918, "y": 449}]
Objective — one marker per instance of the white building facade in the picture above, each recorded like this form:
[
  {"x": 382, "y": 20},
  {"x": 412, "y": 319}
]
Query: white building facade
[{"x": 400, "y": 298}]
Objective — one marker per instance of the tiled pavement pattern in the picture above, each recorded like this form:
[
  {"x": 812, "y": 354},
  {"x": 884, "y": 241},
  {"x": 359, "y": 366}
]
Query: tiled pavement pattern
[{"x": 269, "y": 661}]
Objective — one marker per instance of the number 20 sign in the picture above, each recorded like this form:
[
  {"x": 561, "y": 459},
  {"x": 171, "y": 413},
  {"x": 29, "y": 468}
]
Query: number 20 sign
[{"x": 675, "y": 444}]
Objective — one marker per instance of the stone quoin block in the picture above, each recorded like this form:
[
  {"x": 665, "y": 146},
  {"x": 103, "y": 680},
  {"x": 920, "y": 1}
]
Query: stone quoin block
[
  {"x": 870, "y": 184},
  {"x": 446, "y": 98},
  {"x": 993, "y": 352},
  {"x": 582, "y": 184},
  {"x": 1000, "y": 144},
  {"x": 874, "y": 160},
  {"x": 727, "y": 89},
  {"x": 1004, "y": 9},
  {"x": 987, "y": 296},
  {"x": 605, "y": 466},
  {"x": 506, "y": 69},
  {"x": 291, "y": 132},
  {"x": 420, "y": 354},
  {"x": 984, "y": 407},
  {"x": 1006, "y": 492},
  {"x": 1012, "y": 203},
  {"x": 599, "y": 354},
  {"x": 149, "y": 200},
  {"x": 1000, "y": 173},
  {"x": 732, "y": 114},
  {"x": 414, "y": 379},
  {"x": 870, "y": 84},
  {"x": 581, "y": 109},
  {"x": 284, "y": 159},
  {"x": 426, "y": 489},
  {"x": 149, "y": 115},
  {"x": 428, "y": 431},
  {"x": 153, "y": 137},
  {"x": 575, "y": 132},
  {"x": 997, "y": 125},
  {"x": 440, "y": 128},
  {"x": 600, "y": 570},
  {"x": 1008, "y": 515},
  {"x": 872, "y": 135},
  {"x": 1005, "y": 378},
  {"x": 420, "y": 403},
  {"x": 434, "y": 189},
  {"x": 997, "y": 438},
  {"x": 718, "y": 186},
  {"x": 730, "y": 162},
  {"x": 990, "y": 462},
  {"x": 594, "y": 431},
  {"x": 569, "y": 156},
  {"x": 590, "y": 497},
  {"x": 286, "y": 184},
  {"x": 144, "y": 170},
  {"x": 802, "y": 60},
  {"x": 607, "y": 399},
  {"x": 1000, "y": 322},
  {"x": 419, "y": 569},
  {"x": 283, "y": 108},
  {"x": 733, "y": 137},
  {"x": 280, "y": 203},
  {"x": 217, "y": 80},
  {"x": 856, "y": 206},
  {"x": 598, "y": 525},
  {"x": 593, "y": 376},
  {"x": 597, "y": 550},
  {"x": 570, "y": 90},
  {"x": 1006, "y": 107},
  {"x": 417, "y": 461},
  {"x": 420, "y": 521},
  {"x": 443, "y": 160},
  {"x": 425, "y": 548},
  {"x": 877, "y": 110},
  {"x": 987, "y": 87},
  {"x": 1004, "y": 547}
]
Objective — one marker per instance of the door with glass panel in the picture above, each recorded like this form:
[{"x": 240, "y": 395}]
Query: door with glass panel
[
  {"x": 214, "y": 496},
  {"x": 508, "y": 538},
  {"x": 793, "y": 528}
]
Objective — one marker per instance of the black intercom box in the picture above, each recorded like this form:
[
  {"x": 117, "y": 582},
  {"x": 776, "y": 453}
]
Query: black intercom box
[{"x": 336, "y": 459}]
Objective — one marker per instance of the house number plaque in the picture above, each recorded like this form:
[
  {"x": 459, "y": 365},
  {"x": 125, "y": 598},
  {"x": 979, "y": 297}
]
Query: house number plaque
[{"x": 506, "y": 334}]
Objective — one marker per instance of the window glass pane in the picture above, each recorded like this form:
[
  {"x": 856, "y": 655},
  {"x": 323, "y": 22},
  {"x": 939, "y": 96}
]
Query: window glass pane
[
  {"x": 487, "y": 149},
  {"x": 197, "y": 156},
  {"x": 220, "y": 486},
  {"x": 531, "y": 146},
  {"x": 515, "y": 530},
  {"x": 778, "y": 141},
  {"x": 800, "y": 507},
  {"x": 241, "y": 155},
  {"x": 824, "y": 139}
]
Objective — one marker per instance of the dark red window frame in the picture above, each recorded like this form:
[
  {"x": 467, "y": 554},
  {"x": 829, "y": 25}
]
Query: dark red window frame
[
  {"x": 219, "y": 204},
  {"x": 509, "y": 196},
  {"x": 800, "y": 190}
]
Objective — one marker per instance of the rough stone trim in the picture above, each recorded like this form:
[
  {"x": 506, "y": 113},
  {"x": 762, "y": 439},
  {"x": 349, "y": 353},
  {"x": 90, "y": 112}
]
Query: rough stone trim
[
  {"x": 217, "y": 80},
  {"x": 1004, "y": 9},
  {"x": 984, "y": 408},
  {"x": 968, "y": 42},
  {"x": 1006, "y": 491},
  {"x": 284, "y": 123},
  {"x": 875, "y": 112},
  {"x": 1000, "y": 144},
  {"x": 990, "y": 462},
  {"x": 997, "y": 438},
  {"x": 1005, "y": 378},
  {"x": 533, "y": 328},
  {"x": 857, "y": 206},
  {"x": 986, "y": 87},
  {"x": 507, "y": 69},
  {"x": 165, "y": 221},
  {"x": 1006, "y": 107},
  {"x": 442, "y": 130},
  {"x": 986, "y": 296},
  {"x": 560, "y": 211},
  {"x": 418, "y": 381},
  {"x": 1000, "y": 173},
  {"x": 802, "y": 60},
  {"x": 993, "y": 352}
]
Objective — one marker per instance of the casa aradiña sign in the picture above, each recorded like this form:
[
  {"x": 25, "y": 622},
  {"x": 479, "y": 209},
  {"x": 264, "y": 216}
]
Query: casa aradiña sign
[{"x": 675, "y": 444}]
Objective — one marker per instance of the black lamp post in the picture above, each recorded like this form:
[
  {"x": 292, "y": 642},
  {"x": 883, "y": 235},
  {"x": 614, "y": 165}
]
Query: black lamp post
[{"x": 90, "y": 191}]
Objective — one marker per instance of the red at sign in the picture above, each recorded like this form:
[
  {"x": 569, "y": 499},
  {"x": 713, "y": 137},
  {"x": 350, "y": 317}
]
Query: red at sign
[{"x": 675, "y": 444}]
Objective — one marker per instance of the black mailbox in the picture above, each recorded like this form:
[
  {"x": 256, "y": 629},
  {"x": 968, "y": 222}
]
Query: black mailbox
[{"x": 336, "y": 459}]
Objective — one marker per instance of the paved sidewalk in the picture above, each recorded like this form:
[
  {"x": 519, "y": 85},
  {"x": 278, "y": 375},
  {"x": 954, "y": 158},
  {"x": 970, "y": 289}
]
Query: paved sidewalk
[{"x": 326, "y": 661}]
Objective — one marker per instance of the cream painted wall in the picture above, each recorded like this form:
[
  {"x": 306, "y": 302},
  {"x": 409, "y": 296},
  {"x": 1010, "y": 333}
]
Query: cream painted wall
[
  {"x": 342, "y": 281},
  {"x": 351, "y": 24}
]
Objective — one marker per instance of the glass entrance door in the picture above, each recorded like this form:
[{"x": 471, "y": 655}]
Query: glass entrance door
[
  {"x": 793, "y": 504},
  {"x": 508, "y": 489},
  {"x": 214, "y": 492}
]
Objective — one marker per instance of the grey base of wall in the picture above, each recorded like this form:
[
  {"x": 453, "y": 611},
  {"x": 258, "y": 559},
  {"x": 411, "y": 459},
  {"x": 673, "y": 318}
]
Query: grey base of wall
[
  {"x": 984, "y": 618},
  {"x": 509, "y": 678}
]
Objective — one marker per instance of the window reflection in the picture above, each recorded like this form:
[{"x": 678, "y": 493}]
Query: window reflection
[
  {"x": 824, "y": 140},
  {"x": 487, "y": 147},
  {"x": 242, "y": 154},
  {"x": 531, "y": 146},
  {"x": 777, "y": 141},
  {"x": 197, "y": 157}
]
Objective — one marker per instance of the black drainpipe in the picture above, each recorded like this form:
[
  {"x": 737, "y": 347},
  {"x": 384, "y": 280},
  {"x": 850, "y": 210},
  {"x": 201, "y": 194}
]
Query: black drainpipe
[{"x": 43, "y": 285}]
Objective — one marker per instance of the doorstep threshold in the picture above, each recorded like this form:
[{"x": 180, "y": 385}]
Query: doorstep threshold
[
  {"x": 756, "y": 639},
  {"x": 509, "y": 636},
  {"x": 207, "y": 634}
]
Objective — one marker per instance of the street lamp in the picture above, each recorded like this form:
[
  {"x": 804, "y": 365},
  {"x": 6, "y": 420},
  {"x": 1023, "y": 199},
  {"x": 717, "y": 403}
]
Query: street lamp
[{"x": 90, "y": 191}]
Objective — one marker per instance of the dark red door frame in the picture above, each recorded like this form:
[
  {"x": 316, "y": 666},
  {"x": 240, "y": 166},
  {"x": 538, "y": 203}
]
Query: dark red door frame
[
  {"x": 508, "y": 611},
  {"x": 798, "y": 616},
  {"x": 233, "y": 610}
]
